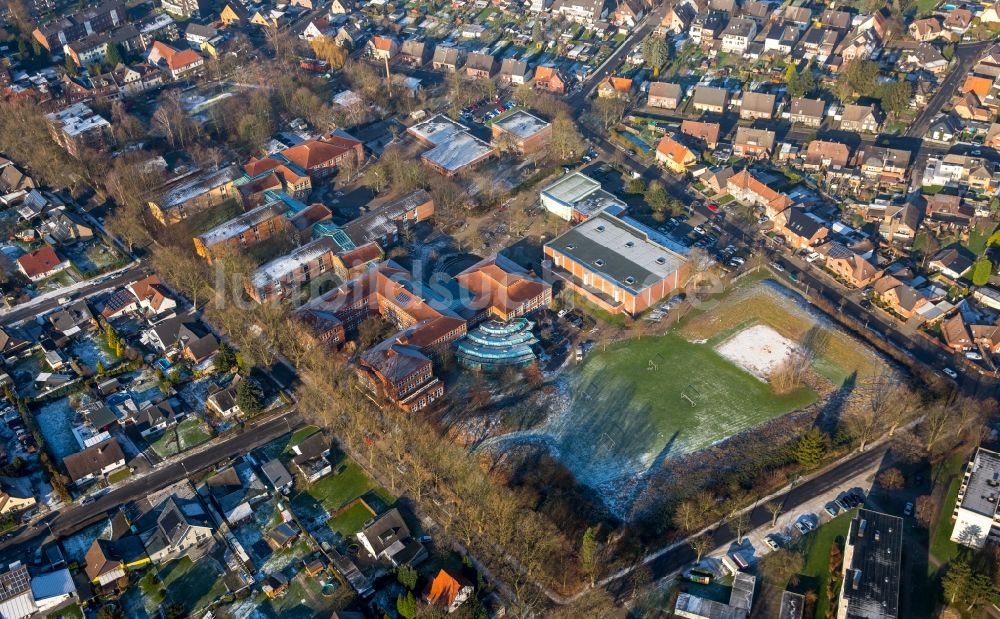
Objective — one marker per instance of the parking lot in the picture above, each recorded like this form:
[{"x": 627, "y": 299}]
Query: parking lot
[{"x": 792, "y": 525}]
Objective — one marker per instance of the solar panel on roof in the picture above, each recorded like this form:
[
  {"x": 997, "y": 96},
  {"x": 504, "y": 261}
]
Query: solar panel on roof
[{"x": 402, "y": 298}]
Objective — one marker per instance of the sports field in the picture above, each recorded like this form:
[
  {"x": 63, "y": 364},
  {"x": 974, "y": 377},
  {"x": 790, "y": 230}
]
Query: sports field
[
  {"x": 693, "y": 398},
  {"x": 631, "y": 405},
  {"x": 768, "y": 303}
]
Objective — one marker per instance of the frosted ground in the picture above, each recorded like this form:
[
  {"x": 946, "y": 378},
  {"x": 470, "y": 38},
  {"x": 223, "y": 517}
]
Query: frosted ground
[
  {"x": 632, "y": 406},
  {"x": 758, "y": 350}
]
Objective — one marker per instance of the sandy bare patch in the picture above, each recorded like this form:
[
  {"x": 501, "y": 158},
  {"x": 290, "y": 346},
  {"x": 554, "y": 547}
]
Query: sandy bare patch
[{"x": 758, "y": 350}]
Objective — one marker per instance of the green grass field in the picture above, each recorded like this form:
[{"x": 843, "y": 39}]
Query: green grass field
[
  {"x": 350, "y": 520},
  {"x": 191, "y": 433},
  {"x": 194, "y": 585},
  {"x": 642, "y": 410},
  {"x": 334, "y": 491},
  {"x": 815, "y": 547}
]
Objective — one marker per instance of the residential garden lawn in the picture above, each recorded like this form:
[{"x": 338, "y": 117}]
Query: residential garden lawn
[
  {"x": 207, "y": 219},
  {"x": 815, "y": 547},
  {"x": 192, "y": 433},
  {"x": 726, "y": 199},
  {"x": 117, "y": 476},
  {"x": 350, "y": 520},
  {"x": 925, "y": 6},
  {"x": 303, "y": 600},
  {"x": 194, "y": 585},
  {"x": 334, "y": 491},
  {"x": 978, "y": 237},
  {"x": 72, "y": 611},
  {"x": 619, "y": 400},
  {"x": 300, "y": 435}
]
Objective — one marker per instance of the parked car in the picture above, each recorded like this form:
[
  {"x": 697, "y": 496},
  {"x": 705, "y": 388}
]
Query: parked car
[
  {"x": 712, "y": 206},
  {"x": 908, "y": 510},
  {"x": 777, "y": 267},
  {"x": 832, "y": 509},
  {"x": 950, "y": 373},
  {"x": 973, "y": 355},
  {"x": 771, "y": 543}
]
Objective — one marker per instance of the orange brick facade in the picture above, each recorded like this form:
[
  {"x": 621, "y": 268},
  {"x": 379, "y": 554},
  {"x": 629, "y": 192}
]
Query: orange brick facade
[{"x": 587, "y": 283}]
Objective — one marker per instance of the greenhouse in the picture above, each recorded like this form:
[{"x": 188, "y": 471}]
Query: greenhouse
[{"x": 496, "y": 345}]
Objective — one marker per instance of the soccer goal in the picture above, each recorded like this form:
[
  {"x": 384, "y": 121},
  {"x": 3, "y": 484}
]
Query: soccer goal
[{"x": 691, "y": 394}]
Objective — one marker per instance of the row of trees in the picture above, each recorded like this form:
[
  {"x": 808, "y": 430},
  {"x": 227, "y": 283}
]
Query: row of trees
[{"x": 520, "y": 545}]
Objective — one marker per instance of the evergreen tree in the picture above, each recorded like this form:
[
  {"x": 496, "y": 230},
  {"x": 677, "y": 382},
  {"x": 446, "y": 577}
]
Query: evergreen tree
[
  {"x": 654, "y": 52},
  {"x": 225, "y": 359},
  {"x": 811, "y": 448},
  {"x": 249, "y": 396},
  {"x": 114, "y": 55},
  {"x": 956, "y": 581},
  {"x": 71, "y": 67},
  {"x": 406, "y": 606},
  {"x": 588, "y": 553},
  {"x": 100, "y": 369},
  {"x": 407, "y": 576}
]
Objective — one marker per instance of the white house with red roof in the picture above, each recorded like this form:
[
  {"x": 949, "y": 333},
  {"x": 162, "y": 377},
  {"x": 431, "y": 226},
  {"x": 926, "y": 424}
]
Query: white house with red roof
[
  {"x": 41, "y": 263},
  {"x": 176, "y": 62}
]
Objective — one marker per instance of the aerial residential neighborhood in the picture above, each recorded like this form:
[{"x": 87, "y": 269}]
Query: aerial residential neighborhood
[{"x": 374, "y": 309}]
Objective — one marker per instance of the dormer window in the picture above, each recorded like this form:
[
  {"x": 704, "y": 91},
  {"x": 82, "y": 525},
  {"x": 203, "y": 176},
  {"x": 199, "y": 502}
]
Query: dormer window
[
  {"x": 661, "y": 260},
  {"x": 570, "y": 246},
  {"x": 598, "y": 263},
  {"x": 629, "y": 280},
  {"x": 630, "y": 244},
  {"x": 600, "y": 228}
]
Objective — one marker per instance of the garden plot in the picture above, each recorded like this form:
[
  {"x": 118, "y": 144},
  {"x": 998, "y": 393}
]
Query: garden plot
[
  {"x": 758, "y": 349},
  {"x": 55, "y": 420},
  {"x": 90, "y": 352},
  {"x": 187, "y": 434}
]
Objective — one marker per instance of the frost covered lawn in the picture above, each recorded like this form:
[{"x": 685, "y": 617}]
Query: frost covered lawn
[
  {"x": 659, "y": 395},
  {"x": 191, "y": 431},
  {"x": 55, "y": 421},
  {"x": 758, "y": 350}
]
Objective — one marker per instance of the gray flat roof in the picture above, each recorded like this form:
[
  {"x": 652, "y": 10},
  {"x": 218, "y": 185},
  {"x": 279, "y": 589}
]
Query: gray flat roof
[
  {"x": 872, "y": 579},
  {"x": 571, "y": 188},
  {"x": 742, "y": 594},
  {"x": 792, "y": 605},
  {"x": 983, "y": 487},
  {"x": 625, "y": 254},
  {"x": 437, "y": 129},
  {"x": 521, "y": 124},
  {"x": 693, "y": 606},
  {"x": 460, "y": 150}
]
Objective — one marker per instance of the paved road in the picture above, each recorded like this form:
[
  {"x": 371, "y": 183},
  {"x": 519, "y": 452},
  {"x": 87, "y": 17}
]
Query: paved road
[
  {"x": 612, "y": 62},
  {"x": 75, "y": 517},
  {"x": 27, "y": 310},
  {"x": 966, "y": 54},
  {"x": 670, "y": 562}
]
